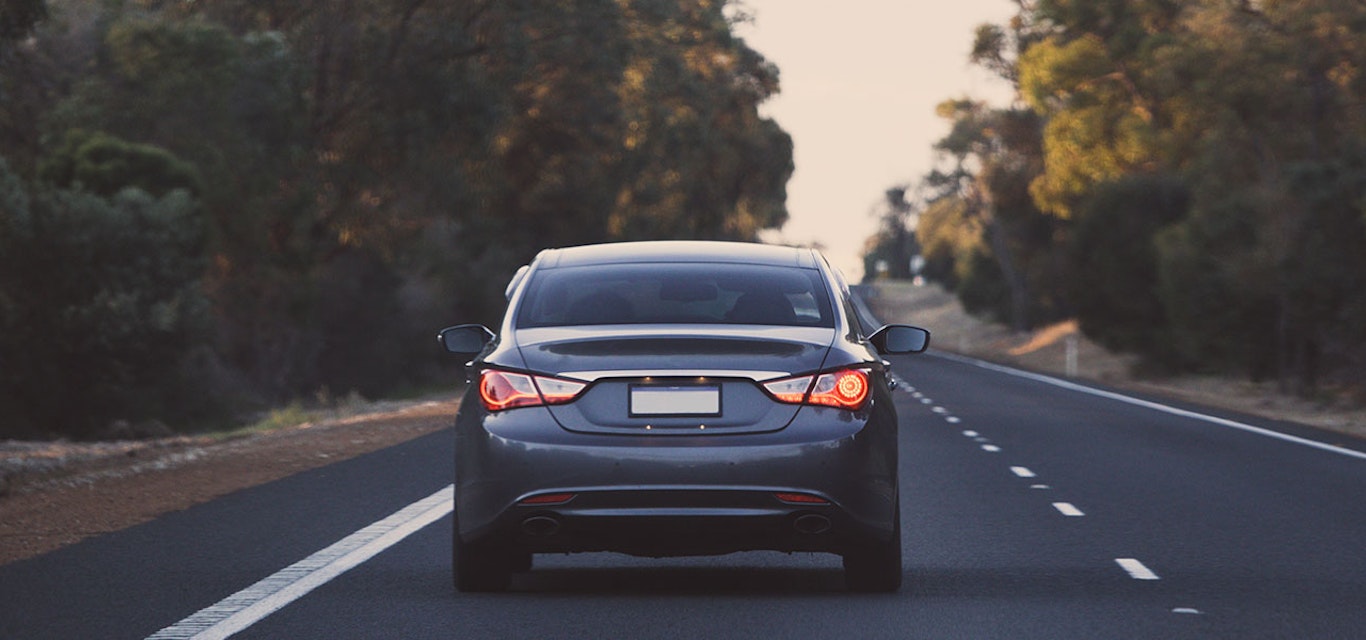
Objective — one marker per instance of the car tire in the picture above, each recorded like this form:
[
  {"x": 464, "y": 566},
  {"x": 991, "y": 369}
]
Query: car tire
[
  {"x": 480, "y": 567},
  {"x": 875, "y": 566}
]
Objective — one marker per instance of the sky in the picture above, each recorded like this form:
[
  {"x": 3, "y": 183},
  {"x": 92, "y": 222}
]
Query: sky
[{"x": 860, "y": 80}]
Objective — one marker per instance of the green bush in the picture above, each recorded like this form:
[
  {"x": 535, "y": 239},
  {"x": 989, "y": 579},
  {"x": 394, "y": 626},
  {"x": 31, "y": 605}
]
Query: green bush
[
  {"x": 1114, "y": 279},
  {"x": 100, "y": 303}
]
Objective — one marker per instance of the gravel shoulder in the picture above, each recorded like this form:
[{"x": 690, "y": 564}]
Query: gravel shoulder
[{"x": 1046, "y": 351}]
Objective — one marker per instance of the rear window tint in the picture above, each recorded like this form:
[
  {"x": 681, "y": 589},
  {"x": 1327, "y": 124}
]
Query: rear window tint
[{"x": 675, "y": 293}]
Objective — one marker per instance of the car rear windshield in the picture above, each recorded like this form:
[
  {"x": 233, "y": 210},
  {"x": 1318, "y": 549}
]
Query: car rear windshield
[{"x": 675, "y": 293}]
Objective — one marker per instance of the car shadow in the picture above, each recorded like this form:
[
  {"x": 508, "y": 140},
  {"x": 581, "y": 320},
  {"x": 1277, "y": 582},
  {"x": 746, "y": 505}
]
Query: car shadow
[{"x": 645, "y": 581}]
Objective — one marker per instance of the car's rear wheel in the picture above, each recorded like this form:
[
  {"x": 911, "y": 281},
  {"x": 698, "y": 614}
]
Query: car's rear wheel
[
  {"x": 485, "y": 566},
  {"x": 875, "y": 566}
]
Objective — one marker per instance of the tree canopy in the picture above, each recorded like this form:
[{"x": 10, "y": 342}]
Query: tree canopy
[
  {"x": 1193, "y": 170},
  {"x": 356, "y": 172}
]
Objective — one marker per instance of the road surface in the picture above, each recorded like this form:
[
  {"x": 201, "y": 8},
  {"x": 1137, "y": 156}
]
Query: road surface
[{"x": 1033, "y": 508}]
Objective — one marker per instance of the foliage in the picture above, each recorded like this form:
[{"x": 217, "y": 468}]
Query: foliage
[
  {"x": 368, "y": 170},
  {"x": 1194, "y": 177},
  {"x": 895, "y": 244},
  {"x": 105, "y": 165},
  {"x": 1115, "y": 289},
  {"x": 18, "y": 17},
  {"x": 99, "y": 303},
  {"x": 1001, "y": 261}
]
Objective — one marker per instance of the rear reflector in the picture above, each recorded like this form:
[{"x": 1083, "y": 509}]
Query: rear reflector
[
  {"x": 800, "y": 498},
  {"x": 546, "y": 499}
]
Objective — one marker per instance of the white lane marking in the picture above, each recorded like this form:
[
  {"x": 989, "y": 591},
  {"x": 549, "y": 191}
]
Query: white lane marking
[
  {"x": 1067, "y": 509},
  {"x": 1135, "y": 569},
  {"x": 252, "y": 604},
  {"x": 1187, "y": 610},
  {"x": 926, "y": 401},
  {"x": 1039, "y": 486},
  {"x": 953, "y": 419},
  {"x": 991, "y": 448},
  {"x": 1155, "y": 406},
  {"x": 1023, "y": 472},
  {"x": 940, "y": 410},
  {"x": 971, "y": 434}
]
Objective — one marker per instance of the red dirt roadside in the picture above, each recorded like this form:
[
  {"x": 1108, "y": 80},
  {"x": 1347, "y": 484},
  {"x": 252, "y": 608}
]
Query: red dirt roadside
[{"x": 96, "y": 489}]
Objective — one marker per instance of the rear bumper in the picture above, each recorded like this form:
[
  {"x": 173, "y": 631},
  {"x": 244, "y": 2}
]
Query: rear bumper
[
  {"x": 681, "y": 521},
  {"x": 678, "y": 495}
]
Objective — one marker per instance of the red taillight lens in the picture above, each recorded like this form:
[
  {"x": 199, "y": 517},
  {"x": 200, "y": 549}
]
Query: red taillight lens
[
  {"x": 501, "y": 390},
  {"x": 846, "y": 389}
]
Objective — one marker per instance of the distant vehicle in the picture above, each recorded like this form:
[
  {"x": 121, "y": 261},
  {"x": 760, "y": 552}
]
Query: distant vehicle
[{"x": 677, "y": 398}]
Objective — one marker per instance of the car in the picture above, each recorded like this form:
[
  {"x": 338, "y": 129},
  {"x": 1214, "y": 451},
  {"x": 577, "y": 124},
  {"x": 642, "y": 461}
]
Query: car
[{"x": 677, "y": 398}]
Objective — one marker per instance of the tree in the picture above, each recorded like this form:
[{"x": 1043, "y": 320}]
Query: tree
[
  {"x": 990, "y": 156},
  {"x": 100, "y": 304},
  {"x": 1114, "y": 280}
]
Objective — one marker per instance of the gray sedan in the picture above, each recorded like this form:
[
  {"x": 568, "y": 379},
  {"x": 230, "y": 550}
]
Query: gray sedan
[{"x": 677, "y": 398}]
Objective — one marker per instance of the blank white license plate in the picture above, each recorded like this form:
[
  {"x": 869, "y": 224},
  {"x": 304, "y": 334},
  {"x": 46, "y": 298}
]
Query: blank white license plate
[{"x": 676, "y": 401}]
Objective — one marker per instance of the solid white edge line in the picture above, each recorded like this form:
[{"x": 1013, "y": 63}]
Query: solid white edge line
[
  {"x": 252, "y": 604},
  {"x": 1152, "y": 405},
  {"x": 1135, "y": 569}
]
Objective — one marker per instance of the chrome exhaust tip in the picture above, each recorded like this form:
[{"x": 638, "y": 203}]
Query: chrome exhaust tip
[
  {"x": 812, "y": 524},
  {"x": 541, "y": 526}
]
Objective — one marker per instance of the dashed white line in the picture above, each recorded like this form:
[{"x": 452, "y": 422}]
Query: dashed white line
[
  {"x": 1135, "y": 569},
  {"x": 1068, "y": 509},
  {"x": 1022, "y": 472},
  {"x": 971, "y": 434},
  {"x": 250, "y": 605},
  {"x": 940, "y": 410},
  {"x": 953, "y": 419},
  {"x": 991, "y": 448}
]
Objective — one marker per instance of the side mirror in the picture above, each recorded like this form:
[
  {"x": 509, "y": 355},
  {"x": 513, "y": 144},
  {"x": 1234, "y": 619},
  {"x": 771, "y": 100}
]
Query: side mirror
[
  {"x": 900, "y": 338},
  {"x": 465, "y": 339}
]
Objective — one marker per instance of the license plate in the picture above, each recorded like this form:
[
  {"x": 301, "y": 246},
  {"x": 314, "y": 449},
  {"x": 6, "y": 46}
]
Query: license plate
[{"x": 676, "y": 401}]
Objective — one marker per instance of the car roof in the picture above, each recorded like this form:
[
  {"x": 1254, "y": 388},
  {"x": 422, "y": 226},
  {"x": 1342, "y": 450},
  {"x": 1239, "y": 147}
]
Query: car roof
[{"x": 678, "y": 251}]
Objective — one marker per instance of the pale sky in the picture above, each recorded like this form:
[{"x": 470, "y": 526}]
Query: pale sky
[{"x": 860, "y": 80}]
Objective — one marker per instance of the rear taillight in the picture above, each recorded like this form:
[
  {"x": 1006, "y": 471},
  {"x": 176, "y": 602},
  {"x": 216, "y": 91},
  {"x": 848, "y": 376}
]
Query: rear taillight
[
  {"x": 844, "y": 389},
  {"x": 501, "y": 390}
]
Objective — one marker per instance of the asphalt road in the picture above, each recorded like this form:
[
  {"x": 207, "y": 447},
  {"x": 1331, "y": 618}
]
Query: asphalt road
[{"x": 1031, "y": 510}]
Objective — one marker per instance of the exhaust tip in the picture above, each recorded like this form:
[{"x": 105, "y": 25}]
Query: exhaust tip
[
  {"x": 541, "y": 526},
  {"x": 812, "y": 524}
]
